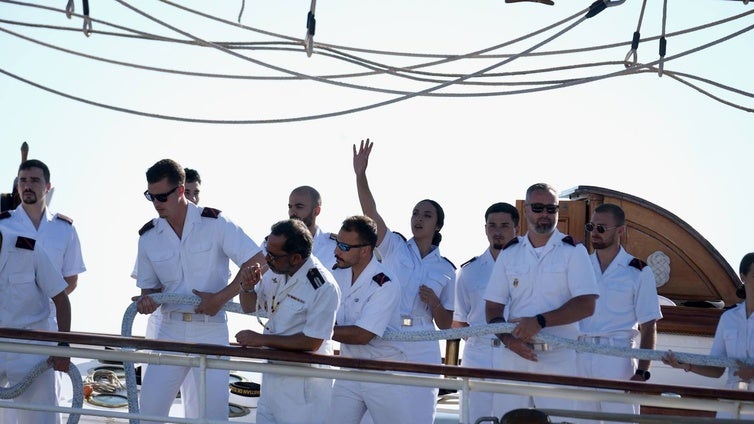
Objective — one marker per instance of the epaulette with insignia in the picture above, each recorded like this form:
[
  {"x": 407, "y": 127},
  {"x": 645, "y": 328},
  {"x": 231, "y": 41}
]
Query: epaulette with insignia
[
  {"x": 25, "y": 243},
  {"x": 469, "y": 261},
  {"x": 211, "y": 212},
  {"x": 404, "y": 238},
  {"x": 146, "y": 227},
  {"x": 569, "y": 240},
  {"x": 637, "y": 263},
  {"x": 315, "y": 278},
  {"x": 4, "y": 215},
  {"x": 63, "y": 218},
  {"x": 513, "y": 242},
  {"x": 381, "y": 279},
  {"x": 451, "y": 263}
]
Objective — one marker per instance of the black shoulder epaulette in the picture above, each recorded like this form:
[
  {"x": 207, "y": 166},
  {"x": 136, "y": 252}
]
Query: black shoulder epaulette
[
  {"x": 315, "y": 278},
  {"x": 451, "y": 263},
  {"x": 25, "y": 243},
  {"x": 5, "y": 214},
  {"x": 637, "y": 263},
  {"x": 146, "y": 227},
  {"x": 513, "y": 242},
  {"x": 210, "y": 212},
  {"x": 569, "y": 240},
  {"x": 469, "y": 261},
  {"x": 404, "y": 238},
  {"x": 63, "y": 218},
  {"x": 381, "y": 279}
]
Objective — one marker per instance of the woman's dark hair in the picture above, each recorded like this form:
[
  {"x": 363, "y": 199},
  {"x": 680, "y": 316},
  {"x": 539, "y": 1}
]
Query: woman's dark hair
[
  {"x": 437, "y": 237},
  {"x": 744, "y": 269}
]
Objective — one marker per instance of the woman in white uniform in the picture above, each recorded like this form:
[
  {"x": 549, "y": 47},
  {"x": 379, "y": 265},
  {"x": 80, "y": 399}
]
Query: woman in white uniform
[
  {"x": 734, "y": 337},
  {"x": 427, "y": 279}
]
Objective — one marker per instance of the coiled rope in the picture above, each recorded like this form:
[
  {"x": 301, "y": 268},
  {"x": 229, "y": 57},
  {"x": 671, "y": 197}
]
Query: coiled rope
[{"x": 14, "y": 391}]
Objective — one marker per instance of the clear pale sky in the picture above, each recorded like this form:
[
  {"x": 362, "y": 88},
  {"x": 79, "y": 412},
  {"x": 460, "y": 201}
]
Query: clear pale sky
[{"x": 641, "y": 134}]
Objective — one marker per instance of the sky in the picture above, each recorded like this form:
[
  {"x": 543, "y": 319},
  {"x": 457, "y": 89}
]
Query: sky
[{"x": 642, "y": 134}]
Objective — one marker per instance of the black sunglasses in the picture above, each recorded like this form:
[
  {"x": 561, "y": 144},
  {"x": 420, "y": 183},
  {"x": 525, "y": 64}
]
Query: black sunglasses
[
  {"x": 346, "y": 247},
  {"x": 541, "y": 207},
  {"x": 162, "y": 197},
  {"x": 270, "y": 256},
  {"x": 589, "y": 227}
]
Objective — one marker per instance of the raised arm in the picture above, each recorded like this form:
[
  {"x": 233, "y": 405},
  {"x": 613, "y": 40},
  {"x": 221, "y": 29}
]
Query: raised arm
[{"x": 366, "y": 199}]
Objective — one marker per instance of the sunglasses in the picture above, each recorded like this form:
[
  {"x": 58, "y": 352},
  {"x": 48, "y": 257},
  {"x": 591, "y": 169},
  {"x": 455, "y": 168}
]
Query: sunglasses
[
  {"x": 162, "y": 197},
  {"x": 599, "y": 227},
  {"x": 270, "y": 256},
  {"x": 541, "y": 207},
  {"x": 346, "y": 247}
]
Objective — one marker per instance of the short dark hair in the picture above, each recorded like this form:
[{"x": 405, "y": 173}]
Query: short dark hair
[
  {"x": 614, "y": 210},
  {"x": 35, "y": 163},
  {"x": 542, "y": 187},
  {"x": 502, "y": 207},
  {"x": 298, "y": 239},
  {"x": 166, "y": 168},
  {"x": 192, "y": 176},
  {"x": 311, "y": 191},
  {"x": 364, "y": 226}
]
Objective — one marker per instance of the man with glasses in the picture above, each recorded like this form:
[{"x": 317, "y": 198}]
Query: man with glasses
[
  {"x": 369, "y": 306},
  {"x": 542, "y": 282},
  {"x": 299, "y": 296},
  {"x": 627, "y": 307},
  {"x": 501, "y": 228},
  {"x": 305, "y": 203},
  {"x": 187, "y": 250}
]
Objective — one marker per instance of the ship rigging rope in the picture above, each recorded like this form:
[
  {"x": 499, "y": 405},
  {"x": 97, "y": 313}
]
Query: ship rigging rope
[{"x": 14, "y": 391}]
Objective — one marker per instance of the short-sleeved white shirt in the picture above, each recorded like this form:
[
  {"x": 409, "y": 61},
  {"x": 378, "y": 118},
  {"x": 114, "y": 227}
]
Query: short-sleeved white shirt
[
  {"x": 628, "y": 297},
  {"x": 324, "y": 248},
  {"x": 56, "y": 235},
  {"x": 28, "y": 280},
  {"x": 471, "y": 282},
  {"x": 530, "y": 282},
  {"x": 371, "y": 302},
  {"x": 198, "y": 260},
  {"x": 302, "y": 303},
  {"x": 734, "y": 338}
]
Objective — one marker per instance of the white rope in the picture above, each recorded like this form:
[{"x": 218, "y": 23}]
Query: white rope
[
  {"x": 663, "y": 40},
  {"x": 311, "y": 23},
  {"x": 17, "y": 389},
  {"x": 240, "y": 13},
  {"x": 632, "y": 54}
]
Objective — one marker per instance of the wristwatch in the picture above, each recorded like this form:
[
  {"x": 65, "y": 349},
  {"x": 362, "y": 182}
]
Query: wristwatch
[{"x": 644, "y": 374}]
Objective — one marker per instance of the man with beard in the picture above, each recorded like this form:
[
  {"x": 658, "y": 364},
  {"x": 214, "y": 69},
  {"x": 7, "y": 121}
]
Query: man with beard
[
  {"x": 627, "y": 307},
  {"x": 299, "y": 297},
  {"x": 543, "y": 282},
  {"x": 305, "y": 203},
  {"x": 501, "y": 227}
]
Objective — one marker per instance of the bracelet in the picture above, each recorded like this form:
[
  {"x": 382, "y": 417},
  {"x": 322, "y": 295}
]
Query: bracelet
[{"x": 243, "y": 290}]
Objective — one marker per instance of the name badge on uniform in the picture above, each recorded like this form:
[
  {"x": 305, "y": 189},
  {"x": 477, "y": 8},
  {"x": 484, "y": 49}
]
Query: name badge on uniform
[{"x": 406, "y": 321}]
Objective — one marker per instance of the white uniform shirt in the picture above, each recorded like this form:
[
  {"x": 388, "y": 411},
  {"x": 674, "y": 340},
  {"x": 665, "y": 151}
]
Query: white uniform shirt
[
  {"x": 734, "y": 338},
  {"x": 56, "y": 235},
  {"x": 530, "y": 282},
  {"x": 294, "y": 305},
  {"x": 471, "y": 282},
  {"x": 372, "y": 306},
  {"x": 324, "y": 248},
  {"x": 628, "y": 297},
  {"x": 198, "y": 260},
  {"x": 28, "y": 280}
]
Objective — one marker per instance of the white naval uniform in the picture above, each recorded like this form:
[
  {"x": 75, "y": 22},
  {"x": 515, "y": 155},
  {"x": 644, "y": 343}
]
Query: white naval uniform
[
  {"x": 323, "y": 248},
  {"x": 436, "y": 272},
  {"x": 28, "y": 280},
  {"x": 478, "y": 351},
  {"x": 198, "y": 260},
  {"x": 628, "y": 297},
  {"x": 734, "y": 338},
  {"x": 531, "y": 281},
  {"x": 302, "y": 303},
  {"x": 370, "y": 303}
]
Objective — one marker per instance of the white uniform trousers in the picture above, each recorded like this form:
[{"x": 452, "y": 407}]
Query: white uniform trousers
[
  {"x": 160, "y": 383},
  {"x": 292, "y": 400},
  {"x": 557, "y": 361},
  {"x": 386, "y": 403},
  {"x": 478, "y": 353},
  {"x": 605, "y": 366},
  {"x": 13, "y": 368}
]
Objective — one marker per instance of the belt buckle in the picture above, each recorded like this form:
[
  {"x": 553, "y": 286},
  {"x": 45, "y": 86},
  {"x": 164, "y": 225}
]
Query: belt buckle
[
  {"x": 543, "y": 347},
  {"x": 187, "y": 317},
  {"x": 407, "y": 321}
]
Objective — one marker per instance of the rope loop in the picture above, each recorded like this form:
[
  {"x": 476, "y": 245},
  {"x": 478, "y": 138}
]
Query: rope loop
[
  {"x": 87, "y": 26},
  {"x": 69, "y": 9}
]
